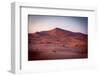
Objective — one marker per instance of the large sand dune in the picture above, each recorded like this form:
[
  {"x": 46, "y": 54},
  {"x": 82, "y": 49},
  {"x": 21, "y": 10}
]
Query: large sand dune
[{"x": 57, "y": 44}]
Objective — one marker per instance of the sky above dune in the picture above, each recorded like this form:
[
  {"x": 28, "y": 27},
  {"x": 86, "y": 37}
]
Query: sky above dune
[{"x": 37, "y": 23}]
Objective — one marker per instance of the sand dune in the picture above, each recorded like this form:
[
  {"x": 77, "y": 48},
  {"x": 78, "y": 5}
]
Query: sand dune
[{"x": 57, "y": 44}]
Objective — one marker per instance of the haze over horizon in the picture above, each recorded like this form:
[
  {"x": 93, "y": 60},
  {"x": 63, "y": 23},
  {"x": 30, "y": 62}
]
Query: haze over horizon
[{"x": 37, "y": 23}]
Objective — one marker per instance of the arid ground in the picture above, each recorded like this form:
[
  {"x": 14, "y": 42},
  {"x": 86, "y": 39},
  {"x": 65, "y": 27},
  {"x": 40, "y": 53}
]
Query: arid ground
[{"x": 57, "y": 44}]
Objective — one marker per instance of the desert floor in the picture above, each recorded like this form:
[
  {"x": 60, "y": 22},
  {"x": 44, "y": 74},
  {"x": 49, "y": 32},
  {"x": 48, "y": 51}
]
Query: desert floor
[{"x": 51, "y": 52}]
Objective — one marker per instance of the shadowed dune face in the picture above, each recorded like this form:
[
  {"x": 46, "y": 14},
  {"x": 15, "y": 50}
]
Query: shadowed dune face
[{"x": 57, "y": 44}]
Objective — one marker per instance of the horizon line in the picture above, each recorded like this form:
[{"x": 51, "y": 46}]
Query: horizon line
[{"x": 58, "y": 28}]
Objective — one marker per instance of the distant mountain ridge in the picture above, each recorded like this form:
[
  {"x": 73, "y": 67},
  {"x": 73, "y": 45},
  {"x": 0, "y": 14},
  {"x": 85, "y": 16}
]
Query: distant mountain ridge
[
  {"x": 59, "y": 36},
  {"x": 56, "y": 30}
]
